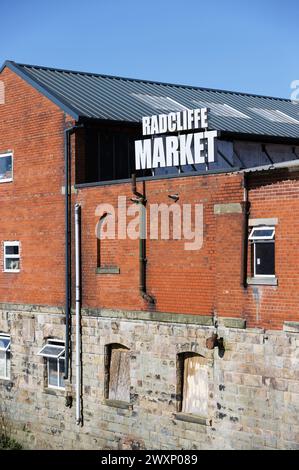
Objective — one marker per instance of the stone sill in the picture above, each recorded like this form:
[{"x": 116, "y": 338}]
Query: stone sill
[
  {"x": 262, "y": 281},
  {"x": 190, "y": 418},
  {"x": 108, "y": 270},
  {"x": 232, "y": 322},
  {"x": 124, "y": 405},
  {"x": 291, "y": 326},
  {"x": 55, "y": 391}
]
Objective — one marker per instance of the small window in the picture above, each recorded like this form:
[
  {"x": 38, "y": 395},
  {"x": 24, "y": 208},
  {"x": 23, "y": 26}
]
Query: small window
[
  {"x": 262, "y": 233},
  {"x": 192, "y": 384},
  {"x": 263, "y": 251},
  {"x": 4, "y": 356},
  {"x": 6, "y": 167},
  {"x": 53, "y": 352},
  {"x": 12, "y": 257},
  {"x": 117, "y": 373}
]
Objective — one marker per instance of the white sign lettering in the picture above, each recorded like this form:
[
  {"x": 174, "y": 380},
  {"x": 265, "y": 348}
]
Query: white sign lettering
[{"x": 188, "y": 148}]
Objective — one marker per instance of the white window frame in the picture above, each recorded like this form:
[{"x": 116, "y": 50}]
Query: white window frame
[
  {"x": 260, "y": 239},
  {"x": 5, "y": 256},
  {"x": 7, "y": 350},
  {"x": 3, "y": 155},
  {"x": 58, "y": 358},
  {"x": 253, "y": 237}
]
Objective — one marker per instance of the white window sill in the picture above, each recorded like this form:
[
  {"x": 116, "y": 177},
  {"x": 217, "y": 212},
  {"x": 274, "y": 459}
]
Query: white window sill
[
  {"x": 56, "y": 391},
  {"x": 52, "y": 387},
  {"x": 262, "y": 281}
]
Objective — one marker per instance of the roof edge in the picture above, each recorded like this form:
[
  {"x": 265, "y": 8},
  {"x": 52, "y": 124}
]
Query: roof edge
[
  {"x": 56, "y": 99},
  {"x": 178, "y": 85},
  {"x": 289, "y": 164}
]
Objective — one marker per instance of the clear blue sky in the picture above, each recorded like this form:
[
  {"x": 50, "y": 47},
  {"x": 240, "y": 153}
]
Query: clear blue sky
[{"x": 236, "y": 45}]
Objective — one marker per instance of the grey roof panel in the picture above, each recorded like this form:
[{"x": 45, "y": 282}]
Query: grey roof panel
[{"x": 89, "y": 95}]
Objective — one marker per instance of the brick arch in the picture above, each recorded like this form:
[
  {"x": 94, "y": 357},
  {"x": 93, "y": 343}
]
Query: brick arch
[{"x": 192, "y": 347}]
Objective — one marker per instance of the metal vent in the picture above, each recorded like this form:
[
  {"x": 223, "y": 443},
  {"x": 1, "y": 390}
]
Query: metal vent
[
  {"x": 223, "y": 110},
  {"x": 274, "y": 115},
  {"x": 161, "y": 103}
]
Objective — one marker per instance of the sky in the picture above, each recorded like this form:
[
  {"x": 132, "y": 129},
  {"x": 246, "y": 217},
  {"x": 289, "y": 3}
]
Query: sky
[{"x": 249, "y": 46}]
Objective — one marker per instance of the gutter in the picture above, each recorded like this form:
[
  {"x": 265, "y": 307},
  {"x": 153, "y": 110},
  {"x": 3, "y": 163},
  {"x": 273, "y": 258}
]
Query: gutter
[
  {"x": 67, "y": 154},
  {"x": 141, "y": 199},
  {"x": 78, "y": 312},
  {"x": 246, "y": 214}
]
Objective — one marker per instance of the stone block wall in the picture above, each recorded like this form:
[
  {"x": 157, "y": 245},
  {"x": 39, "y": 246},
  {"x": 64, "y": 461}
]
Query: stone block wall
[{"x": 253, "y": 387}]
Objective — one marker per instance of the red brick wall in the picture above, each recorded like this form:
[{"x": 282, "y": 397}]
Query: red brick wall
[
  {"x": 180, "y": 281},
  {"x": 32, "y": 206},
  {"x": 277, "y": 196},
  {"x": 209, "y": 280}
]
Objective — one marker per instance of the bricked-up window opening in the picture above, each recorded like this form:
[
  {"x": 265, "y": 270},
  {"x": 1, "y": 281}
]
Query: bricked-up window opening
[
  {"x": 192, "y": 384},
  {"x": 6, "y": 167},
  {"x": 100, "y": 242},
  {"x": 11, "y": 256},
  {"x": 53, "y": 353},
  {"x": 117, "y": 373},
  {"x": 263, "y": 251},
  {"x": 4, "y": 356}
]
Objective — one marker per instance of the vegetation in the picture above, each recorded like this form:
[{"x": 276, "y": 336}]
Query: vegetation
[
  {"x": 6, "y": 440},
  {"x": 8, "y": 443}
]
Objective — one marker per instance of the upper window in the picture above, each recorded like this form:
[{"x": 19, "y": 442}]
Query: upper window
[
  {"x": 4, "y": 356},
  {"x": 6, "y": 169},
  {"x": 263, "y": 251},
  {"x": 53, "y": 352},
  {"x": 12, "y": 257}
]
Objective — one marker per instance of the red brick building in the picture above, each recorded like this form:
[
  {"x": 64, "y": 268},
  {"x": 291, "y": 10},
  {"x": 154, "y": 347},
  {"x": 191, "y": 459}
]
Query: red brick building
[{"x": 242, "y": 284}]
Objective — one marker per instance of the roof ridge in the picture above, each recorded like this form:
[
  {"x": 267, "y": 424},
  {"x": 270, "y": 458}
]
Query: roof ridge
[{"x": 176, "y": 85}]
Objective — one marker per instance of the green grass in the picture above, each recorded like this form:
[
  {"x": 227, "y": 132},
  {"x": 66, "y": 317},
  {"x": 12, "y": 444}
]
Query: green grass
[{"x": 9, "y": 444}]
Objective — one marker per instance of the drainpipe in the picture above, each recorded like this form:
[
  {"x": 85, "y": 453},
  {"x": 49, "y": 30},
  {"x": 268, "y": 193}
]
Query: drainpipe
[
  {"x": 78, "y": 305},
  {"x": 67, "y": 153},
  {"x": 246, "y": 214},
  {"x": 141, "y": 199}
]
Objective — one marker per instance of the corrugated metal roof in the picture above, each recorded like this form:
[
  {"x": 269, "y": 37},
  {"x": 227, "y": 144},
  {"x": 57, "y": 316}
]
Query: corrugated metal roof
[{"x": 89, "y": 95}]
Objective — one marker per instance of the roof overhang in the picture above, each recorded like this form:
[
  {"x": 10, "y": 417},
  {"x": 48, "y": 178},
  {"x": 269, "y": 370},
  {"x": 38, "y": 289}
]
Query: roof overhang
[{"x": 60, "y": 102}]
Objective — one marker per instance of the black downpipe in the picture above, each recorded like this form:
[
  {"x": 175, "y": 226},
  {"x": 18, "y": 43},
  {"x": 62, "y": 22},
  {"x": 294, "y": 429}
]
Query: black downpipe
[
  {"x": 141, "y": 199},
  {"x": 67, "y": 153},
  {"x": 246, "y": 215}
]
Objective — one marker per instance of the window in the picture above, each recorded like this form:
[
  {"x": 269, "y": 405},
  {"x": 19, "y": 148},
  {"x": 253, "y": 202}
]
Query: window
[
  {"x": 223, "y": 110},
  {"x": 117, "y": 373},
  {"x": 161, "y": 103},
  {"x": 6, "y": 167},
  {"x": 12, "y": 257},
  {"x": 275, "y": 115},
  {"x": 192, "y": 384},
  {"x": 53, "y": 352},
  {"x": 4, "y": 356},
  {"x": 263, "y": 251},
  {"x": 109, "y": 155}
]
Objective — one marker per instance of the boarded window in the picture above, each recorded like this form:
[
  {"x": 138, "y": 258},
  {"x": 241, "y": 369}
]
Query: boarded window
[
  {"x": 193, "y": 384},
  {"x": 118, "y": 374}
]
